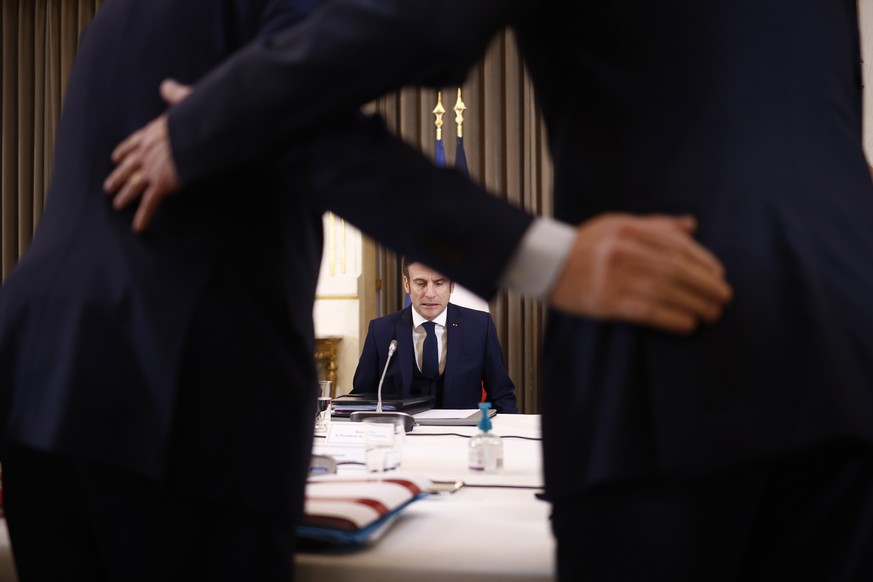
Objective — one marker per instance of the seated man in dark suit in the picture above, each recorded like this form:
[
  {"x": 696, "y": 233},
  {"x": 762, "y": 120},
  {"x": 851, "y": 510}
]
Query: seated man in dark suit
[{"x": 443, "y": 349}]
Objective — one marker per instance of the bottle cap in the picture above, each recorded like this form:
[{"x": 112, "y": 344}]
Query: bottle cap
[{"x": 485, "y": 421}]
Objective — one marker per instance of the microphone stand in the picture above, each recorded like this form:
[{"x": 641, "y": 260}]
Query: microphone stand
[{"x": 359, "y": 415}]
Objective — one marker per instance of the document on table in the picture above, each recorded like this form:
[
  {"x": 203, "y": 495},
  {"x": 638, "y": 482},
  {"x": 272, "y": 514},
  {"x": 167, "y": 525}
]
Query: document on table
[{"x": 451, "y": 416}]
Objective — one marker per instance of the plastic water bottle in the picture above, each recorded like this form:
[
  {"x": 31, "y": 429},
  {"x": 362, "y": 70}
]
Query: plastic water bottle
[{"x": 486, "y": 448}]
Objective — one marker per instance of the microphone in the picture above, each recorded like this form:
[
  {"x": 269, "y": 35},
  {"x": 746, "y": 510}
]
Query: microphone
[
  {"x": 359, "y": 415},
  {"x": 392, "y": 347}
]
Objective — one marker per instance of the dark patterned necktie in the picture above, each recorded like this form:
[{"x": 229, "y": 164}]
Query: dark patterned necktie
[{"x": 430, "y": 359}]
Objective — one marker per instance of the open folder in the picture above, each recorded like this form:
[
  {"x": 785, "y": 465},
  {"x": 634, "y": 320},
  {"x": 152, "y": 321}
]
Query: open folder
[{"x": 355, "y": 510}]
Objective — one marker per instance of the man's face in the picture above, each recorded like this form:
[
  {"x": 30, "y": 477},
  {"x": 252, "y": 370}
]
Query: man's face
[{"x": 428, "y": 290}]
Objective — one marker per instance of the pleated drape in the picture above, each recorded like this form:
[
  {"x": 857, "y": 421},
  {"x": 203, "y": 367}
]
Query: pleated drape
[{"x": 39, "y": 39}]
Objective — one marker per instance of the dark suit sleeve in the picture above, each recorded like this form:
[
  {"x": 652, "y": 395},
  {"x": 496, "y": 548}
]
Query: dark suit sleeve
[
  {"x": 368, "y": 371},
  {"x": 346, "y": 54},
  {"x": 499, "y": 388},
  {"x": 367, "y": 176}
]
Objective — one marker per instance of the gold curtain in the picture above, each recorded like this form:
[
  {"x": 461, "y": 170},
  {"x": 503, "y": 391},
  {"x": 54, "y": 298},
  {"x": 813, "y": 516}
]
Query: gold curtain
[
  {"x": 503, "y": 139},
  {"x": 506, "y": 150},
  {"x": 39, "y": 39}
]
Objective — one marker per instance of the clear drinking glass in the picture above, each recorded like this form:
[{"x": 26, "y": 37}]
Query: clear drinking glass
[
  {"x": 383, "y": 439},
  {"x": 323, "y": 410}
]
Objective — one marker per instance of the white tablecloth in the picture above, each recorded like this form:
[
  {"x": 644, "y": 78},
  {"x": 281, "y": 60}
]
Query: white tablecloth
[{"x": 478, "y": 534}]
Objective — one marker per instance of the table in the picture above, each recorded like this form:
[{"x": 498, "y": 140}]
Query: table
[{"x": 477, "y": 534}]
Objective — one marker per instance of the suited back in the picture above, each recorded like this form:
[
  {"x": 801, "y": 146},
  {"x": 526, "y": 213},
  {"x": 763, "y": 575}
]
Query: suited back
[
  {"x": 94, "y": 319},
  {"x": 667, "y": 109}
]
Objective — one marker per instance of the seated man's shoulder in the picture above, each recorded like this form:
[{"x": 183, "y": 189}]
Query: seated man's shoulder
[
  {"x": 470, "y": 313},
  {"x": 390, "y": 317}
]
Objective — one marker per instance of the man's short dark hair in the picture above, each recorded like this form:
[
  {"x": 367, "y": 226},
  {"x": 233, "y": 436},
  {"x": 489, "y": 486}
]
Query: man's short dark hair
[{"x": 404, "y": 266}]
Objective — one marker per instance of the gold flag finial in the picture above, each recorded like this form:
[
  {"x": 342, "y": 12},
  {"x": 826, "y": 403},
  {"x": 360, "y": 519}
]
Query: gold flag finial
[
  {"x": 459, "y": 114},
  {"x": 439, "y": 111}
]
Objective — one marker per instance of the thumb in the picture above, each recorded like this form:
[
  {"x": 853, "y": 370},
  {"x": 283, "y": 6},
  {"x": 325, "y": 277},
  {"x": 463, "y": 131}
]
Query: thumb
[{"x": 173, "y": 92}]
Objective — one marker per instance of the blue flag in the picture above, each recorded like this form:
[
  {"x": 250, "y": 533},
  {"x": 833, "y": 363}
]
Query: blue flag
[
  {"x": 461, "y": 157},
  {"x": 440, "y": 156}
]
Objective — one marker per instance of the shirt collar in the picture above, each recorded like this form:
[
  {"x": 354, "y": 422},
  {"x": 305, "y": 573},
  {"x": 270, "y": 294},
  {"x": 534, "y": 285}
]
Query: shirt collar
[{"x": 440, "y": 319}]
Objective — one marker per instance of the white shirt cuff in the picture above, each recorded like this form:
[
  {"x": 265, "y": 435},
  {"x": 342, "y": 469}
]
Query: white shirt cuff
[{"x": 539, "y": 258}]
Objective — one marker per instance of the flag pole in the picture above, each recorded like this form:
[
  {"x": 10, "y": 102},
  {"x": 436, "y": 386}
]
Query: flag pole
[
  {"x": 460, "y": 154},
  {"x": 439, "y": 111},
  {"x": 459, "y": 114}
]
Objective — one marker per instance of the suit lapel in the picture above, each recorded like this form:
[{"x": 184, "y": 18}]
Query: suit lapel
[
  {"x": 405, "y": 349},
  {"x": 454, "y": 334}
]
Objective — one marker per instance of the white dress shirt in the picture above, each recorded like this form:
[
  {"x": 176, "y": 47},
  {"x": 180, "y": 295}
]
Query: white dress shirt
[
  {"x": 418, "y": 335},
  {"x": 539, "y": 258}
]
